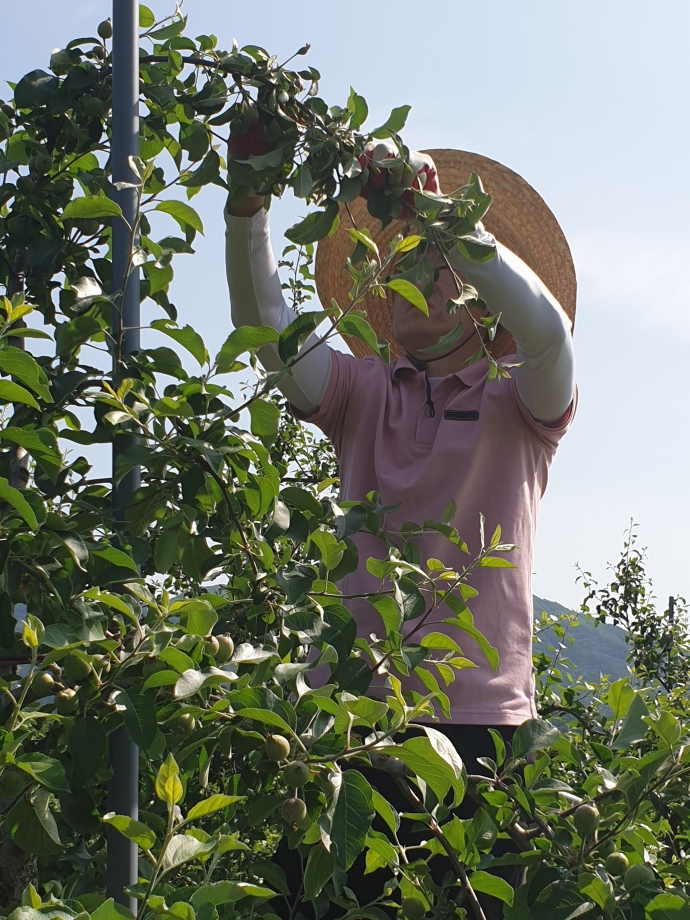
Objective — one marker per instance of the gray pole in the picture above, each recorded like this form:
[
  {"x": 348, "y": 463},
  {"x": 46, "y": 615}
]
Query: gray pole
[{"x": 123, "y": 793}]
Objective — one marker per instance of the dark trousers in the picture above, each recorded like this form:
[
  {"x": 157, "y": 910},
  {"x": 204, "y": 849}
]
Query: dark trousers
[{"x": 471, "y": 742}]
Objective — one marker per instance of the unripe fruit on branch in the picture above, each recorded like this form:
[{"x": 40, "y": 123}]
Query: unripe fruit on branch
[
  {"x": 638, "y": 874},
  {"x": 226, "y": 648},
  {"x": 105, "y": 29},
  {"x": 412, "y": 909},
  {"x": 296, "y": 773},
  {"x": 76, "y": 668},
  {"x": 277, "y": 748},
  {"x": 586, "y": 820},
  {"x": 43, "y": 684},
  {"x": 66, "y": 701},
  {"x": 616, "y": 863},
  {"x": 41, "y": 164},
  {"x": 294, "y": 811},
  {"x": 183, "y": 723},
  {"x": 211, "y": 646}
]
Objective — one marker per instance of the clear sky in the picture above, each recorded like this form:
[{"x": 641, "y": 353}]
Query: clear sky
[{"x": 589, "y": 102}]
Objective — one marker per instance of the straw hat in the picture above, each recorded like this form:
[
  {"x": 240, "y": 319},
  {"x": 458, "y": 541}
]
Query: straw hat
[{"x": 518, "y": 217}]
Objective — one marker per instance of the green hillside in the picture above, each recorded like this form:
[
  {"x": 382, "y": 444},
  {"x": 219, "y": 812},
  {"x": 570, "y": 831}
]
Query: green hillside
[{"x": 598, "y": 649}]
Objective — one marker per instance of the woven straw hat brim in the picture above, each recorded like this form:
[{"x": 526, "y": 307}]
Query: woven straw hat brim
[{"x": 519, "y": 218}]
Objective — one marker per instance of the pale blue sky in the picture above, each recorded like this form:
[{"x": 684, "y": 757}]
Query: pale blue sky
[{"x": 589, "y": 102}]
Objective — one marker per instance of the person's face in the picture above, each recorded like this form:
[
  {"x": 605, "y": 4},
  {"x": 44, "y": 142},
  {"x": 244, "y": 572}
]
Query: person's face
[{"x": 414, "y": 331}]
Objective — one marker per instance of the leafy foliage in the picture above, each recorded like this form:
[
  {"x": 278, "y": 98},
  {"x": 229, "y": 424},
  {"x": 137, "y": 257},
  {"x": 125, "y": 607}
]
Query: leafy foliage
[{"x": 201, "y": 624}]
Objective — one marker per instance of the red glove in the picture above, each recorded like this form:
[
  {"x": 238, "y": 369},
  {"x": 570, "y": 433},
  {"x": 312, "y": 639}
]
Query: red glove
[
  {"x": 250, "y": 143},
  {"x": 421, "y": 174}
]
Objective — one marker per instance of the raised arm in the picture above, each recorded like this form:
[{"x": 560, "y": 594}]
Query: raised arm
[
  {"x": 257, "y": 299},
  {"x": 542, "y": 331}
]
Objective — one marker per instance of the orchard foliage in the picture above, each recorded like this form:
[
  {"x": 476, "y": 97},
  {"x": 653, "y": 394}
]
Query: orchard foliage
[{"x": 199, "y": 626}]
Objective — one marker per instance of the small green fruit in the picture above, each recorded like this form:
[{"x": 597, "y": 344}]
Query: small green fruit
[
  {"x": 90, "y": 227},
  {"x": 293, "y": 811},
  {"x": 638, "y": 874},
  {"x": 586, "y": 820},
  {"x": 616, "y": 863},
  {"x": 43, "y": 684},
  {"x": 277, "y": 748},
  {"x": 296, "y": 773},
  {"x": 412, "y": 909},
  {"x": 7, "y": 109},
  {"x": 76, "y": 668},
  {"x": 183, "y": 723},
  {"x": 211, "y": 646},
  {"x": 105, "y": 29},
  {"x": 226, "y": 648},
  {"x": 42, "y": 163},
  {"x": 66, "y": 701}
]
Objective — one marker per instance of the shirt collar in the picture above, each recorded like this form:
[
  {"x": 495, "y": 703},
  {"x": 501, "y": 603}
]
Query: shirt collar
[{"x": 470, "y": 375}]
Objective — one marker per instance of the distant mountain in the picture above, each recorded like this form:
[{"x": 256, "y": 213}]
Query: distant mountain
[{"x": 598, "y": 648}]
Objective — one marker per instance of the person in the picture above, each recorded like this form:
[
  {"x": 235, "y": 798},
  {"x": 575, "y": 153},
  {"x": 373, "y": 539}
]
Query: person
[{"x": 427, "y": 431}]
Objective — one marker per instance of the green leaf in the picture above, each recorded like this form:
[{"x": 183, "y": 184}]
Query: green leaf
[
  {"x": 32, "y": 825},
  {"x": 620, "y": 696},
  {"x": 111, "y": 910},
  {"x": 358, "y": 109},
  {"x": 302, "y": 182},
  {"x": 24, "y": 367},
  {"x": 394, "y": 124},
  {"x": 88, "y": 744},
  {"x": 115, "y": 557},
  {"x": 198, "y": 617},
  {"x": 184, "y": 848},
  {"x": 35, "y": 89},
  {"x": 184, "y": 214},
  {"x": 445, "y": 342},
  {"x": 12, "y": 393},
  {"x": 142, "y": 835},
  {"x": 15, "y": 498},
  {"x": 212, "y": 804},
  {"x": 146, "y": 17},
  {"x": 187, "y": 337},
  {"x": 318, "y": 871},
  {"x": 140, "y": 717},
  {"x": 493, "y": 885},
  {"x": 465, "y": 622},
  {"x": 667, "y": 906},
  {"x": 495, "y": 562},
  {"x": 352, "y": 817},
  {"x": 295, "y": 335},
  {"x": 40, "y": 443},
  {"x": 389, "y": 611},
  {"x": 168, "y": 785},
  {"x": 356, "y": 325},
  {"x": 316, "y": 226},
  {"x": 265, "y": 418},
  {"x": 633, "y": 728},
  {"x": 227, "y": 892},
  {"x": 412, "y": 294},
  {"x": 160, "y": 277},
  {"x": 265, "y": 716},
  {"x": 533, "y": 735},
  {"x": 171, "y": 31},
  {"x": 98, "y": 206},
  {"x": 45, "y": 770},
  {"x": 408, "y": 243},
  {"x": 244, "y": 338}
]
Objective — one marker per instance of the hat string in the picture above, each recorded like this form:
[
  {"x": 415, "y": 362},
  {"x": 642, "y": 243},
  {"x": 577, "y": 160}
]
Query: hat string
[{"x": 423, "y": 364}]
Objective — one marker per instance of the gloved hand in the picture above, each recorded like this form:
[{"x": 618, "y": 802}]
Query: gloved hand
[{"x": 421, "y": 173}]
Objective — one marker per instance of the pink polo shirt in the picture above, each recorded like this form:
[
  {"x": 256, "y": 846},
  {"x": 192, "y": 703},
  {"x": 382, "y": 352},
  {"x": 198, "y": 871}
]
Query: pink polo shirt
[{"x": 496, "y": 465}]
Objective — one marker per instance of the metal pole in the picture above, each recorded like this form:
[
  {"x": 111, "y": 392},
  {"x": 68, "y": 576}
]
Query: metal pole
[
  {"x": 671, "y": 609},
  {"x": 123, "y": 793}
]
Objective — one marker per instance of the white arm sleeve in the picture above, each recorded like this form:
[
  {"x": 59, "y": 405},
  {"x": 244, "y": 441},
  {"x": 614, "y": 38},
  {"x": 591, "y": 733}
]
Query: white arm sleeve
[
  {"x": 256, "y": 299},
  {"x": 541, "y": 329}
]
